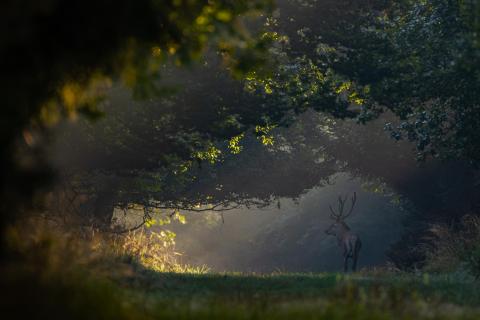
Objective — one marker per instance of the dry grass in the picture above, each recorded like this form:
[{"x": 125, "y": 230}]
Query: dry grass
[
  {"x": 84, "y": 246},
  {"x": 155, "y": 251}
]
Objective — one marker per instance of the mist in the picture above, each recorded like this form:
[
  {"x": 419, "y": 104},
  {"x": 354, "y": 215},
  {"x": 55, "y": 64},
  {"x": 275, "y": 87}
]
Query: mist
[
  {"x": 289, "y": 235},
  {"x": 310, "y": 164}
]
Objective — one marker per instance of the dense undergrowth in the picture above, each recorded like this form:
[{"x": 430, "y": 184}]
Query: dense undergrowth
[
  {"x": 455, "y": 247},
  {"x": 69, "y": 275}
]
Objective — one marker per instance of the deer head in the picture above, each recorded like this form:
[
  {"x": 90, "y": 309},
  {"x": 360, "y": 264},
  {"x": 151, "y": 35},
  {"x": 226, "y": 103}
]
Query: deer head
[{"x": 340, "y": 215}]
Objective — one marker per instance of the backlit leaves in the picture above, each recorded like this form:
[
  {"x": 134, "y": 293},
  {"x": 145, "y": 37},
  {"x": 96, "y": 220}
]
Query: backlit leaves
[
  {"x": 234, "y": 144},
  {"x": 211, "y": 154}
]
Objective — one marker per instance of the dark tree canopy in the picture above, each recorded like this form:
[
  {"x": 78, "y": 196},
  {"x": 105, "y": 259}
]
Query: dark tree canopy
[
  {"x": 419, "y": 60},
  {"x": 416, "y": 60},
  {"x": 57, "y": 59}
]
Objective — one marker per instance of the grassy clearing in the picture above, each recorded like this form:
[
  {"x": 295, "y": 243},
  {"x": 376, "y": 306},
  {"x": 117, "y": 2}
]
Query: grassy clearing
[
  {"x": 151, "y": 295},
  {"x": 57, "y": 278},
  {"x": 311, "y": 296}
]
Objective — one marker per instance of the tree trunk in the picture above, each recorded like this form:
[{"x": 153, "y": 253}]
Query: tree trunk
[{"x": 103, "y": 209}]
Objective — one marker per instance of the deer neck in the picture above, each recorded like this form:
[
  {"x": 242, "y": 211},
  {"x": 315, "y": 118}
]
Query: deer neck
[{"x": 344, "y": 229}]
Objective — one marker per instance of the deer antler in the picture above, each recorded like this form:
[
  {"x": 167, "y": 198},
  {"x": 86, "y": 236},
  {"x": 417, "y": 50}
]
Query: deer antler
[
  {"x": 341, "y": 204},
  {"x": 354, "y": 200},
  {"x": 333, "y": 215},
  {"x": 341, "y": 207}
]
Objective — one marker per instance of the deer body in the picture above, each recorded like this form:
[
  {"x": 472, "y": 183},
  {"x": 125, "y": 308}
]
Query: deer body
[{"x": 347, "y": 240}]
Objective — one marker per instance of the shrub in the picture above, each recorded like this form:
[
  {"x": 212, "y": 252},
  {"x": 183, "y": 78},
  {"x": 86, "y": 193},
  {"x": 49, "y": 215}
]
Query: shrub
[
  {"x": 453, "y": 247},
  {"x": 155, "y": 250},
  {"x": 56, "y": 246}
]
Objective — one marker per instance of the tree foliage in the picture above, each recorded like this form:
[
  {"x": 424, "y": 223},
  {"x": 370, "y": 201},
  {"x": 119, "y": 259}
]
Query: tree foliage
[
  {"x": 416, "y": 60},
  {"x": 58, "y": 59},
  {"x": 419, "y": 60}
]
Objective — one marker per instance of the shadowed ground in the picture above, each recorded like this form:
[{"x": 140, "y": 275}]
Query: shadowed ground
[
  {"x": 149, "y": 295},
  {"x": 312, "y": 296}
]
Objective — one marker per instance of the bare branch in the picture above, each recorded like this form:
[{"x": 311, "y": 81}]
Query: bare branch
[{"x": 121, "y": 231}]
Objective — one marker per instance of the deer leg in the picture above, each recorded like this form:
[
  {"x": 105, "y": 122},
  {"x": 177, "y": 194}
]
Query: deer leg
[
  {"x": 347, "y": 253},
  {"x": 355, "y": 257},
  {"x": 358, "y": 245}
]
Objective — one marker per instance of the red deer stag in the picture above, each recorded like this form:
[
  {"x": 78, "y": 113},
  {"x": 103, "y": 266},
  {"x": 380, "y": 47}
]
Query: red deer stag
[{"x": 348, "y": 240}]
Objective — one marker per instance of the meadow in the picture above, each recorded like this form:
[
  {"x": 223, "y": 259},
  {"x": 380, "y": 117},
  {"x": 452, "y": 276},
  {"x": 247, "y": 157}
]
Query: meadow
[
  {"x": 313, "y": 296},
  {"x": 146, "y": 294},
  {"x": 72, "y": 275}
]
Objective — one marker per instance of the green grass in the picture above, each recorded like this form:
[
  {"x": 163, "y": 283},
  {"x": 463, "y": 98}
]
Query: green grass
[
  {"x": 144, "y": 294},
  {"x": 308, "y": 296},
  {"x": 51, "y": 279}
]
